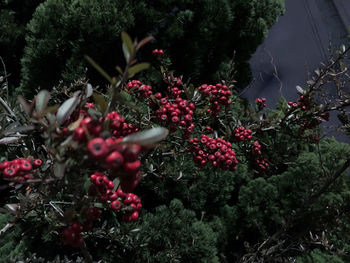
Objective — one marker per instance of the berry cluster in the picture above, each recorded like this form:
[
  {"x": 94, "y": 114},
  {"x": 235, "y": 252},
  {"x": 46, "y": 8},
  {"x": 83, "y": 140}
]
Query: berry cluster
[
  {"x": 144, "y": 90},
  {"x": 218, "y": 94},
  {"x": 132, "y": 204},
  {"x": 242, "y": 134},
  {"x": 118, "y": 125},
  {"x": 91, "y": 127},
  {"x": 120, "y": 159},
  {"x": 260, "y": 162},
  {"x": 217, "y": 151},
  {"x": 310, "y": 124},
  {"x": 256, "y": 149},
  {"x": 72, "y": 235},
  {"x": 119, "y": 200},
  {"x": 303, "y": 103},
  {"x": 314, "y": 138},
  {"x": 177, "y": 114},
  {"x": 262, "y": 165},
  {"x": 158, "y": 53},
  {"x": 209, "y": 129},
  {"x": 19, "y": 170},
  {"x": 260, "y": 103}
]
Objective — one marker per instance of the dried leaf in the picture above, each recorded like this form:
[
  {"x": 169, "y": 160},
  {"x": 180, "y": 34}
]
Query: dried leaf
[{"x": 144, "y": 42}]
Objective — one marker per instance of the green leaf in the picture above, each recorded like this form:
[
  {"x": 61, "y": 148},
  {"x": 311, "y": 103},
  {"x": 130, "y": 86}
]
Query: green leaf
[
  {"x": 66, "y": 110},
  {"x": 128, "y": 47},
  {"x": 41, "y": 101},
  {"x": 137, "y": 68},
  {"x": 147, "y": 137},
  {"x": 101, "y": 102},
  {"x": 99, "y": 69}
]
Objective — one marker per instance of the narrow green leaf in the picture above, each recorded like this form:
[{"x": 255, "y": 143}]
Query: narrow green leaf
[
  {"x": 41, "y": 101},
  {"x": 98, "y": 68},
  {"x": 137, "y": 68},
  {"x": 101, "y": 102},
  {"x": 127, "y": 42}
]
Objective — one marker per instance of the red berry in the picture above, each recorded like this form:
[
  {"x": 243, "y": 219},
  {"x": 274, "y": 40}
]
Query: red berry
[
  {"x": 132, "y": 167},
  {"x": 116, "y": 205},
  {"x": 97, "y": 148},
  {"x": 94, "y": 213},
  {"x": 10, "y": 172},
  {"x": 26, "y": 166},
  {"x": 4, "y": 165},
  {"x": 77, "y": 227},
  {"x": 115, "y": 160},
  {"x": 134, "y": 216},
  {"x": 79, "y": 134}
]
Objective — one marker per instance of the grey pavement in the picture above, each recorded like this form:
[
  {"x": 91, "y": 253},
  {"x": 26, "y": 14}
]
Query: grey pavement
[{"x": 295, "y": 46}]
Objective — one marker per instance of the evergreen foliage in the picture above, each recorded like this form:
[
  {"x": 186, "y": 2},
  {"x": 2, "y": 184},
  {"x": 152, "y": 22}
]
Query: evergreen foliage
[{"x": 201, "y": 35}]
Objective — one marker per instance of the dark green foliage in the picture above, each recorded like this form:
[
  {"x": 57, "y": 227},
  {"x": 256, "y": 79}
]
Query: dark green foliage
[
  {"x": 202, "y": 36},
  {"x": 173, "y": 234},
  {"x": 11, "y": 244},
  {"x": 320, "y": 257},
  {"x": 14, "y": 15}
]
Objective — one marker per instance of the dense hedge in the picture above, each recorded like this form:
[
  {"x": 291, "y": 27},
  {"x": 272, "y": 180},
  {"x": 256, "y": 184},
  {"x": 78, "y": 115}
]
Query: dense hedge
[{"x": 201, "y": 35}]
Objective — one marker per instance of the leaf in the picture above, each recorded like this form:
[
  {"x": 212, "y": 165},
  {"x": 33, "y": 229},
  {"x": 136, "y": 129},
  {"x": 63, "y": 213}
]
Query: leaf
[
  {"x": 25, "y": 105},
  {"x": 137, "y": 68},
  {"x": 119, "y": 70},
  {"x": 74, "y": 125},
  {"x": 66, "y": 109},
  {"x": 128, "y": 47},
  {"x": 41, "y": 101},
  {"x": 300, "y": 90},
  {"x": 50, "y": 109},
  {"x": 14, "y": 129},
  {"x": 147, "y": 137},
  {"x": 5, "y": 228},
  {"x": 59, "y": 169},
  {"x": 88, "y": 90},
  {"x": 99, "y": 69},
  {"x": 126, "y": 53},
  {"x": 144, "y": 42},
  {"x": 12, "y": 208},
  {"x": 101, "y": 102},
  {"x": 8, "y": 140}
]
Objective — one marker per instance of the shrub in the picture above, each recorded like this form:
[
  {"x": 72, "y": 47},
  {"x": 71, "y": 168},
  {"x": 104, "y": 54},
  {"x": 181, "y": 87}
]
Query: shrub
[
  {"x": 201, "y": 35},
  {"x": 181, "y": 174}
]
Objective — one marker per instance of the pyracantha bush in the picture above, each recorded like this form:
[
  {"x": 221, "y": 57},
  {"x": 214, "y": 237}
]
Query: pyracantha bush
[{"x": 93, "y": 176}]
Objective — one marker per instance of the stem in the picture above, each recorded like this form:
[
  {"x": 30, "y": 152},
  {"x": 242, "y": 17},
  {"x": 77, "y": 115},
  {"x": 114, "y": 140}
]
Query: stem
[{"x": 115, "y": 87}]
